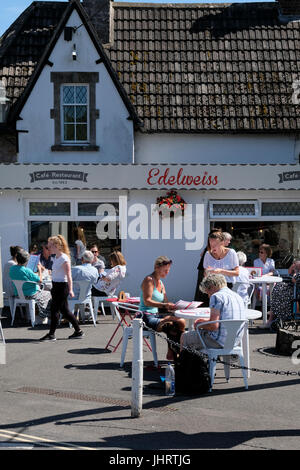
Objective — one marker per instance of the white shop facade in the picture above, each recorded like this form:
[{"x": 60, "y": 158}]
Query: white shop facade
[{"x": 115, "y": 204}]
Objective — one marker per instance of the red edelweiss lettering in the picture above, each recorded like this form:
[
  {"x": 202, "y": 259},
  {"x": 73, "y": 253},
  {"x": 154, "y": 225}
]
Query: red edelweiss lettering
[{"x": 155, "y": 177}]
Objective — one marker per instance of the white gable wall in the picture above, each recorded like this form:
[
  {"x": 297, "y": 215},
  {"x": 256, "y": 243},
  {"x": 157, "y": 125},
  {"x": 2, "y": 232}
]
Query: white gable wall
[{"x": 114, "y": 134}]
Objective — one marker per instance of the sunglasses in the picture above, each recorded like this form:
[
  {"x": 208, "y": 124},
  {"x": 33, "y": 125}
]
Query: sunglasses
[
  {"x": 94, "y": 251},
  {"x": 165, "y": 263}
]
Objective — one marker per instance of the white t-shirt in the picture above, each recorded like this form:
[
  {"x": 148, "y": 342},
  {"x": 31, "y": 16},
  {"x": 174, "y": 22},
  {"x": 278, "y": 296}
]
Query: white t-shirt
[
  {"x": 229, "y": 262},
  {"x": 58, "y": 272},
  {"x": 268, "y": 266}
]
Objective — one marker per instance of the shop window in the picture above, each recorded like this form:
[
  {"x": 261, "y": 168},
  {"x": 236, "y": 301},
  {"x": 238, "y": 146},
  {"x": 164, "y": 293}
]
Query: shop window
[
  {"x": 233, "y": 209},
  {"x": 247, "y": 236},
  {"x": 74, "y": 111},
  {"x": 90, "y": 208},
  {"x": 49, "y": 208},
  {"x": 280, "y": 208}
]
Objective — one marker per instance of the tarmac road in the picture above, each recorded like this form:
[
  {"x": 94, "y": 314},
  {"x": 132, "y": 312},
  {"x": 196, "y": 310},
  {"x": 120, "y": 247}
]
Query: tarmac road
[{"x": 72, "y": 394}]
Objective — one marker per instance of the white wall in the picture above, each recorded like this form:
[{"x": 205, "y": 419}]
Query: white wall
[
  {"x": 190, "y": 148},
  {"x": 114, "y": 133}
]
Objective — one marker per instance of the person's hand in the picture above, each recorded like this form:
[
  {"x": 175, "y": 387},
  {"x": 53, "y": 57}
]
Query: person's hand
[
  {"x": 170, "y": 306},
  {"x": 71, "y": 293}
]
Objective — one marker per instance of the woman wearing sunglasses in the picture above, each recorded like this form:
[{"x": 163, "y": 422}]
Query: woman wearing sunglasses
[{"x": 153, "y": 297}]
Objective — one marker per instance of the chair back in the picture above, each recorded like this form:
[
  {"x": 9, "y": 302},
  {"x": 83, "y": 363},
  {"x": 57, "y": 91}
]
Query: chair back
[
  {"x": 234, "y": 330},
  {"x": 19, "y": 287},
  {"x": 84, "y": 287}
]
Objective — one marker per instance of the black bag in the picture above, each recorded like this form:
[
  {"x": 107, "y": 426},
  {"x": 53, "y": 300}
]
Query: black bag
[{"x": 191, "y": 374}]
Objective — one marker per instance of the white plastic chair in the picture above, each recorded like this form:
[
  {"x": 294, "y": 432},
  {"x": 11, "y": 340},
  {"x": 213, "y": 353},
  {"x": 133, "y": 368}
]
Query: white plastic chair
[
  {"x": 21, "y": 300},
  {"x": 232, "y": 346},
  {"x": 83, "y": 299},
  {"x": 97, "y": 300},
  {"x": 128, "y": 331}
]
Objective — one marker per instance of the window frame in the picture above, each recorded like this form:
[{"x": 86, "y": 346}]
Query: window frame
[
  {"x": 74, "y": 78},
  {"x": 62, "y": 105}
]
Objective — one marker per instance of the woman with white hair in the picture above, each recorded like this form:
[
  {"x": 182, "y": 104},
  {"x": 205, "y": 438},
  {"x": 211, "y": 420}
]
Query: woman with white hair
[{"x": 242, "y": 281}]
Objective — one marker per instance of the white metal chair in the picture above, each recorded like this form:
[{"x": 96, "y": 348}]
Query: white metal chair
[
  {"x": 128, "y": 331},
  {"x": 21, "y": 300},
  {"x": 83, "y": 299},
  {"x": 233, "y": 346}
]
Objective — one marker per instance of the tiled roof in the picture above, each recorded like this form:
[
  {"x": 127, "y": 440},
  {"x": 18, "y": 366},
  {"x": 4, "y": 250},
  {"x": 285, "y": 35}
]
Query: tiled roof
[
  {"x": 208, "y": 67},
  {"x": 23, "y": 44},
  {"x": 185, "y": 67}
]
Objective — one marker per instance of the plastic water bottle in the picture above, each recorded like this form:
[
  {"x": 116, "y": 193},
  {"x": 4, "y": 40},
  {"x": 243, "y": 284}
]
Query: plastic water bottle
[{"x": 170, "y": 380}]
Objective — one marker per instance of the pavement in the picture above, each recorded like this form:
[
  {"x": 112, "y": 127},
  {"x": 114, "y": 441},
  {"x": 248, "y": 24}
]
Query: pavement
[{"x": 72, "y": 394}]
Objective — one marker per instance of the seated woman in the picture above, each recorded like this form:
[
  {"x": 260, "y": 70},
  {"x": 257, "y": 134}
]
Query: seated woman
[
  {"x": 265, "y": 262},
  {"x": 19, "y": 272},
  {"x": 153, "y": 297},
  {"x": 110, "y": 279}
]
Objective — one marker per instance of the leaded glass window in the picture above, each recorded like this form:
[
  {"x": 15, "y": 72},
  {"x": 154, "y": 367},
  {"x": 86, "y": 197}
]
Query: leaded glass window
[{"x": 75, "y": 113}]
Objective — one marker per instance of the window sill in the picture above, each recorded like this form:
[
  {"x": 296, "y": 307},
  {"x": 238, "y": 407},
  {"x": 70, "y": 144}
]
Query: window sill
[{"x": 75, "y": 148}]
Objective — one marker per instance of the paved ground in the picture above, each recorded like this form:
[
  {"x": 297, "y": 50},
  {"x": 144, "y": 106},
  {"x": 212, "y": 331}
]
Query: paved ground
[{"x": 72, "y": 394}]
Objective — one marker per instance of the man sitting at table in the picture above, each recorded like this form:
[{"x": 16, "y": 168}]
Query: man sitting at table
[
  {"x": 85, "y": 272},
  {"x": 224, "y": 305}
]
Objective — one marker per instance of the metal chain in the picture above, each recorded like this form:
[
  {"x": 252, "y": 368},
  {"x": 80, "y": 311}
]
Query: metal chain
[{"x": 236, "y": 366}]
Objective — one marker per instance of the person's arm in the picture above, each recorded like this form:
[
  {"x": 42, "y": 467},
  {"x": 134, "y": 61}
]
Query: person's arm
[
  {"x": 214, "y": 315},
  {"x": 67, "y": 269}
]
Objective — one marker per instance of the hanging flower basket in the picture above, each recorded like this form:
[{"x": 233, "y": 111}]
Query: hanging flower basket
[{"x": 171, "y": 205}]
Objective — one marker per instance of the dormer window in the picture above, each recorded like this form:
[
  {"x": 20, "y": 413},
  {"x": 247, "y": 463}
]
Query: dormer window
[{"x": 74, "y": 111}]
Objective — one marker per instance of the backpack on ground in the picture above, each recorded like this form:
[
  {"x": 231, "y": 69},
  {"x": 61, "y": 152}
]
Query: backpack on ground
[{"x": 191, "y": 374}]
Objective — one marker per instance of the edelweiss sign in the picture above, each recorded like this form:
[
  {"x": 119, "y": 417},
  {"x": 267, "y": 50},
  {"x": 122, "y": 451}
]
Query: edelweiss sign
[{"x": 142, "y": 176}]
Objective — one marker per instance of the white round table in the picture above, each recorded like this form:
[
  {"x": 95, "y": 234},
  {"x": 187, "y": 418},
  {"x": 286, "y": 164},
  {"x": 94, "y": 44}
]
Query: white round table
[{"x": 264, "y": 281}]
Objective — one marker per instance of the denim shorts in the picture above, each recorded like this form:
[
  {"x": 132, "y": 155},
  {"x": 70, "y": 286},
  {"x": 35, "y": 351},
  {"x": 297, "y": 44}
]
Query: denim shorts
[{"x": 151, "y": 320}]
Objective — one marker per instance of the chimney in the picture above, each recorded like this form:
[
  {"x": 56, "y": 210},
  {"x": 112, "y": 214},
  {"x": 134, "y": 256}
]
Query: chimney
[
  {"x": 290, "y": 8},
  {"x": 99, "y": 12}
]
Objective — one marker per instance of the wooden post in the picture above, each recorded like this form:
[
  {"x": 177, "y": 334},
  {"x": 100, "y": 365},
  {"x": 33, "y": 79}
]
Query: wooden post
[{"x": 137, "y": 369}]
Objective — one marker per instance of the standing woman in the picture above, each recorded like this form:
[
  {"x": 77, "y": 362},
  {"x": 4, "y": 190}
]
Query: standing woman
[
  {"x": 80, "y": 244},
  {"x": 219, "y": 259},
  {"x": 62, "y": 287}
]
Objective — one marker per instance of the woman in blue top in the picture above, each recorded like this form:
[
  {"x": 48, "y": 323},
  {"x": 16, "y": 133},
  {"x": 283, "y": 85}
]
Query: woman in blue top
[
  {"x": 153, "y": 296},
  {"x": 31, "y": 289}
]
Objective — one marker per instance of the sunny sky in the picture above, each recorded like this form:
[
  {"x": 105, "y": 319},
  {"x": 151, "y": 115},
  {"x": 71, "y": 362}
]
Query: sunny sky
[{"x": 12, "y": 9}]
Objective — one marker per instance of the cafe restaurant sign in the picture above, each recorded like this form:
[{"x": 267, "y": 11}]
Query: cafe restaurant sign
[{"x": 144, "y": 176}]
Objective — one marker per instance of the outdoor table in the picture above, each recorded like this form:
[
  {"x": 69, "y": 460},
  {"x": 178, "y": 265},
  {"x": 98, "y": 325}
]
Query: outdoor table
[
  {"x": 264, "y": 281},
  {"x": 205, "y": 314},
  {"x": 122, "y": 322}
]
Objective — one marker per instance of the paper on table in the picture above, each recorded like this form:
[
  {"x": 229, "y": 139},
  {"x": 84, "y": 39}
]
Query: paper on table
[{"x": 183, "y": 304}]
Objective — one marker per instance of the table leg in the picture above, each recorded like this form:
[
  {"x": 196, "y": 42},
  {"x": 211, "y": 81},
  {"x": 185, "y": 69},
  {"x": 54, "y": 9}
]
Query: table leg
[
  {"x": 245, "y": 345},
  {"x": 264, "y": 301}
]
